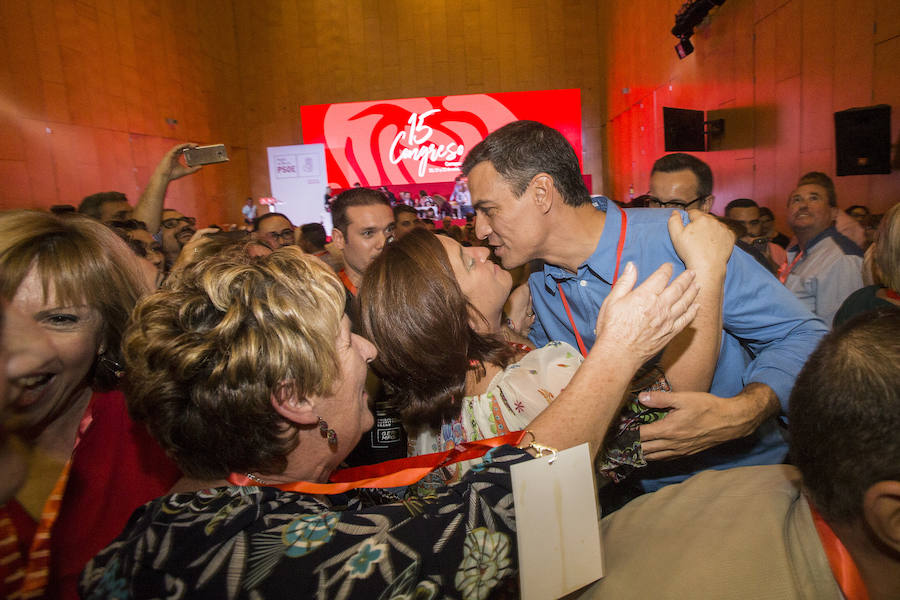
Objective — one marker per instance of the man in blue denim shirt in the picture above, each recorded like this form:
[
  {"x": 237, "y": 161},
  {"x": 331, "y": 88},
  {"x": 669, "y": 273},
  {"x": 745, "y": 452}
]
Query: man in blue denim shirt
[{"x": 531, "y": 203}]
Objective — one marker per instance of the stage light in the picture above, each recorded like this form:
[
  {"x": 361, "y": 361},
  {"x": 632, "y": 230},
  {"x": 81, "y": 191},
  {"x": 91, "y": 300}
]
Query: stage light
[
  {"x": 690, "y": 15},
  {"x": 684, "y": 47}
]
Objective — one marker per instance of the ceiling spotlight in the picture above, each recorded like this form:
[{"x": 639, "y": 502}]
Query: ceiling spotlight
[{"x": 684, "y": 47}]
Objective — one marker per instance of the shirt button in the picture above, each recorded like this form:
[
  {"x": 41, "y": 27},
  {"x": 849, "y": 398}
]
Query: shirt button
[{"x": 583, "y": 283}]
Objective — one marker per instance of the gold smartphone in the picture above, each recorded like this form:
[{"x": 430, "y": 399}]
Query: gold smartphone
[{"x": 205, "y": 155}]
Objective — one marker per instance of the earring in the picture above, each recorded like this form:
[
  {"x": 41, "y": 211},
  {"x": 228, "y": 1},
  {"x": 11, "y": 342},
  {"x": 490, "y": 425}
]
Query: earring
[
  {"x": 114, "y": 367},
  {"x": 331, "y": 434}
]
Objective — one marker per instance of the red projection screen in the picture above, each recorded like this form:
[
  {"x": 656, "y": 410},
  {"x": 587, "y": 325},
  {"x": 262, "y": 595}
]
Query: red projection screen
[{"x": 424, "y": 140}]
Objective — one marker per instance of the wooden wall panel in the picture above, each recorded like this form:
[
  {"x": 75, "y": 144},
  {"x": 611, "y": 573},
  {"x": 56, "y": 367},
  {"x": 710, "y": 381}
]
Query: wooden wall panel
[
  {"x": 81, "y": 79},
  {"x": 817, "y": 129},
  {"x": 853, "y": 51},
  {"x": 765, "y": 122},
  {"x": 885, "y": 90},
  {"x": 104, "y": 75},
  {"x": 370, "y": 50},
  {"x": 775, "y": 70}
]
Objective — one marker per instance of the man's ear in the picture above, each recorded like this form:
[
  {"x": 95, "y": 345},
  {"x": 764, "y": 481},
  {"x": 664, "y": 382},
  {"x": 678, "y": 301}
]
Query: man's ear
[
  {"x": 881, "y": 510},
  {"x": 337, "y": 236},
  {"x": 542, "y": 189},
  {"x": 707, "y": 204},
  {"x": 288, "y": 403}
]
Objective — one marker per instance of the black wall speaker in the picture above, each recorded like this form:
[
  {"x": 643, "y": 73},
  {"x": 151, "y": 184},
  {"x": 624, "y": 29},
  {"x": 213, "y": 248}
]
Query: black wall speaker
[
  {"x": 863, "y": 140},
  {"x": 683, "y": 130}
]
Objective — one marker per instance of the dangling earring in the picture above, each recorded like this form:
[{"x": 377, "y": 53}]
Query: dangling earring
[
  {"x": 331, "y": 434},
  {"x": 114, "y": 367}
]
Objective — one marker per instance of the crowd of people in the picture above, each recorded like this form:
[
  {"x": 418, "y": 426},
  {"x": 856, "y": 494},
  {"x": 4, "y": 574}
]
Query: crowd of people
[{"x": 180, "y": 405}]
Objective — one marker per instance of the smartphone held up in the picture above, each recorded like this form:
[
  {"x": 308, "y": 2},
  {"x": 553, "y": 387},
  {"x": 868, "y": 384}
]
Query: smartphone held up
[{"x": 205, "y": 155}]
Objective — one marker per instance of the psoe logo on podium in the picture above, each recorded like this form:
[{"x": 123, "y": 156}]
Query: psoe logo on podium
[{"x": 286, "y": 166}]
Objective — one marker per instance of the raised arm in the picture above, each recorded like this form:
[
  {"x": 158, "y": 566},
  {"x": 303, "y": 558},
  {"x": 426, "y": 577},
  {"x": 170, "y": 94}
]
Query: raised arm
[
  {"x": 632, "y": 326},
  {"x": 704, "y": 245},
  {"x": 149, "y": 208}
]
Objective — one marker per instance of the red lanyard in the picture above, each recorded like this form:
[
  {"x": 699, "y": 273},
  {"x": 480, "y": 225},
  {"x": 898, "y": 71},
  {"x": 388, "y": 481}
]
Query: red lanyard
[
  {"x": 391, "y": 473},
  {"x": 786, "y": 269},
  {"x": 842, "y": 566},
  {"x": 347, "y": 283},
  {"x": 562, "y": 294}
]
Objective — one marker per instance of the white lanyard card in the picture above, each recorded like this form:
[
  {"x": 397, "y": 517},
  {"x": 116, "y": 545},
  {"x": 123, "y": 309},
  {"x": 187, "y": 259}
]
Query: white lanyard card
[{"x": 557, "y": 524}]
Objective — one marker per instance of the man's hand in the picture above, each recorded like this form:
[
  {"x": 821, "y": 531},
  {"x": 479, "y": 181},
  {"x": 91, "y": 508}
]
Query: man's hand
[
  {"x": 704, "y": 243},
  {"x": 150, "y": 207},
  {"x": 171, "y": 168},
  {"x": 698, "y": 421},
  {"x": 520, "y": 315}
]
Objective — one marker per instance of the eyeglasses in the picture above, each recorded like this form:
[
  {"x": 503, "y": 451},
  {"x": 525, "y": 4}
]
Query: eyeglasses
[
  {"x": 284, "y": 234},
  {"x": 654, "y": 202},
  {"x": 173, "y": 223}
]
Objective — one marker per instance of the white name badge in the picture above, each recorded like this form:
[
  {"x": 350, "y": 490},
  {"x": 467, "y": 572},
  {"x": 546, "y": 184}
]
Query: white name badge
[{"x": 557, "y": 524}]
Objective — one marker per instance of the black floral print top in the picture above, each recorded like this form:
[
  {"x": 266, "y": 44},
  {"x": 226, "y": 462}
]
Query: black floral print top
[{"x": 263, "y": 543}]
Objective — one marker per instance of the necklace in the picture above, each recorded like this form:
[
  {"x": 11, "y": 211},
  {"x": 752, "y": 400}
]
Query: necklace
[{"x": 256, "y": 479}]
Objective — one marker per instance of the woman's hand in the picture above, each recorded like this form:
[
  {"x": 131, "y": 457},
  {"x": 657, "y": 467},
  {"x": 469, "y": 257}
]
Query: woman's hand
[
  {"x": 640, "y": 322},
  {"x": 704, "y": 243}
]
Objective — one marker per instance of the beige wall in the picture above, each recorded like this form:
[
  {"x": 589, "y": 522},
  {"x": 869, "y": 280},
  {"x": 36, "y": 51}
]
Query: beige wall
[{"x": 775, "y": 70}]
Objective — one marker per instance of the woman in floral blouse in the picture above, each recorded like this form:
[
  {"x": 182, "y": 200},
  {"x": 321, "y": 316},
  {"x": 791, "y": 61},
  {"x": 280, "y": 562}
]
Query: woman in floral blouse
[
  {"x": 434, "y": 308},
  {"x": 246, "y": 372}
]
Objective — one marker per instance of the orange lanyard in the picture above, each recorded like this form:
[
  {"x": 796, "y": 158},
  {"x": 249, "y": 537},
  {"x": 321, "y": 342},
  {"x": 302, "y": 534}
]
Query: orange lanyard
[
  {"x": 37, "y": 570},
  {"x": 786, "y": 269},
  {"x": 347, "y": 283},
  {"x": 392, "y": 473},
  {"x": 842, "y": 566},
  {"x": 622, "y": 231}
]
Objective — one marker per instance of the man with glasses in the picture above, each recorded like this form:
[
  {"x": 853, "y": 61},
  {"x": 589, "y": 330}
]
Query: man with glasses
[
  {"x": 176, "y": 230},
  {"x": 114, "y": 206},
  {"x": 531, "y": 203},
  {"x": 681, "y": 181},
  {"x": 274, "y": 230}
]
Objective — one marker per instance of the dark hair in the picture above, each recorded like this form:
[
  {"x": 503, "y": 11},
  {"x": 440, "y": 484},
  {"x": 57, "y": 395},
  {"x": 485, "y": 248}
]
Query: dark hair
[
  {"x": 354, "y": 197},
  {"x": 765, "y": 211},
  {"x": 124, "y": 228},
  {"x": 740, "y": 203},
  {"x": 314, "y": 235},
  {"x": 820, "y": 179},
  {"x": 258, "y": 220},
  {"x": 90, "y": 205},
  {"x": 845, "y": 414},
  {"x": 736, "y": 227},
  {"x": 405, "y": 208},
  {"x": 855, "y": 206},
  {"x": 206, "y": 354},
  {"x": 413, "y": 310},
  {"x": 522, "y": 149},
  {"x": 679, "y": 161},
  {"x": 127, "y": 225}
]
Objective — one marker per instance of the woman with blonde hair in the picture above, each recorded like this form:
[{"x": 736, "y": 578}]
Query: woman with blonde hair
[
  {"x": 89, "y": 466},
  {"x": 246, "y": 371}
]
